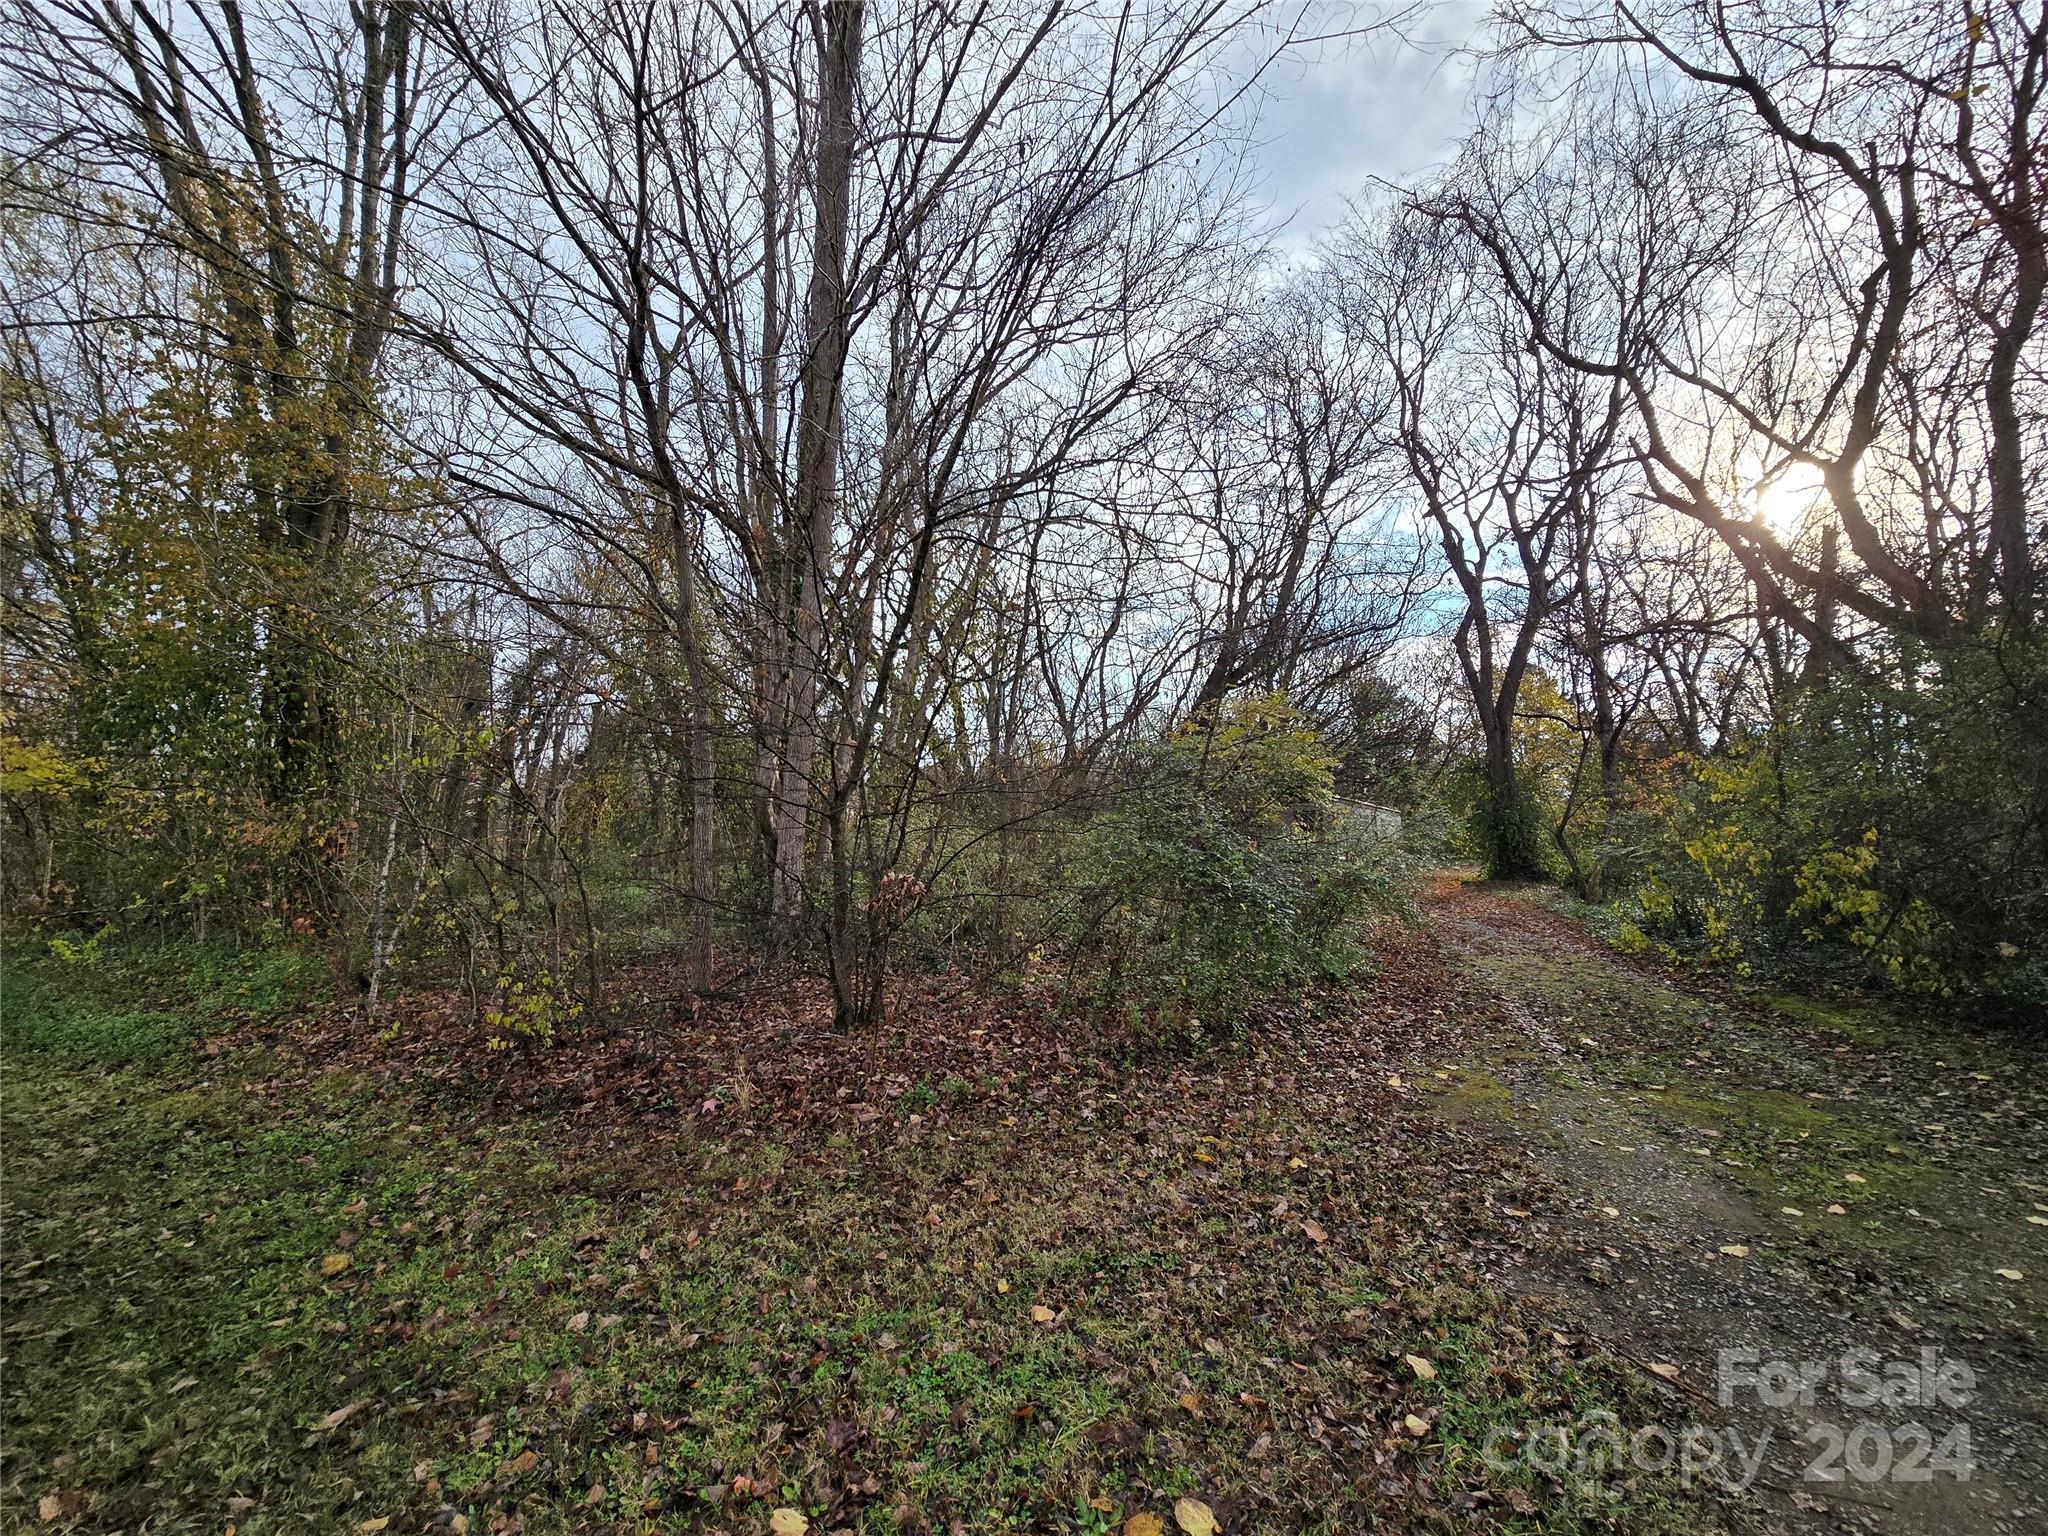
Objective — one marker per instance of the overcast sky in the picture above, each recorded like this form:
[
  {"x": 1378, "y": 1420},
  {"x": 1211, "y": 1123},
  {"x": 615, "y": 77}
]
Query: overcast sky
[{"x": 1347, "y": 111}]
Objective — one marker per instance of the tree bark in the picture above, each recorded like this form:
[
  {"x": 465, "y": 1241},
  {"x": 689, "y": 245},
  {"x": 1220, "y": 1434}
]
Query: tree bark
[{"x": 819, "y": 429}]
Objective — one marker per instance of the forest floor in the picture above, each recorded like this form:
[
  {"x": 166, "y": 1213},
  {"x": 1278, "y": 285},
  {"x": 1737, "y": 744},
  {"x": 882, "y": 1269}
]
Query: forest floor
[{"x": 719, "y": 1268}]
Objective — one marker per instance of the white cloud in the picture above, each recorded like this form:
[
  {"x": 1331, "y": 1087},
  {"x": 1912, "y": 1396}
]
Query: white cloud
[{"x": 1344, "y": 111}]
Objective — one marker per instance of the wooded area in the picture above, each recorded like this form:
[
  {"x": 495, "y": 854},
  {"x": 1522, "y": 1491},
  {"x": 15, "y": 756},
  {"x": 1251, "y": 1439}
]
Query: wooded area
[
  {"x": 722, "y": 552},
  {"x": 501, "y": 489}
]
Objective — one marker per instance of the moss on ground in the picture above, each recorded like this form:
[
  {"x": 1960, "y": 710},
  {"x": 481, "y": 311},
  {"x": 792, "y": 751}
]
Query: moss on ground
[
  {"x": 1783, "y": 1144},
  {"x": 1862, "y": 1022},
  {"x": 1828, "y": 1130}
]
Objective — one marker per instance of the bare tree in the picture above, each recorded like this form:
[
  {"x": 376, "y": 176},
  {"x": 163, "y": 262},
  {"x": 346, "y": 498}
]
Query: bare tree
[
  {"x": 1504, "y": 453},
  {"x": 1824, "y": 247}
]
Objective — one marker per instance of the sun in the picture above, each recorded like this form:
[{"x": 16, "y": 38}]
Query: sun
[{"x": 1785, "y": 502}]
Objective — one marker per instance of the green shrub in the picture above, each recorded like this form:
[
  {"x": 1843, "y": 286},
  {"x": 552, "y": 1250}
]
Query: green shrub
[
  {"x": 1226, "y": 870},
  {"x": 1893, "y": 832}
]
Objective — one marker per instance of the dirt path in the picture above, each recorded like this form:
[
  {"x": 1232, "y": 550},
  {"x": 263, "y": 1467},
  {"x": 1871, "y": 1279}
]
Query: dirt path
[{"x": 1799, "y": 1182}]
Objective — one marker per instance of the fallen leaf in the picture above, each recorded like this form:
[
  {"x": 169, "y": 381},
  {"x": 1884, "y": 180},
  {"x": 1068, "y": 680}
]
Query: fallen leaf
[
  {"x": 341, "y": 1416},
  {"x": 2039, "y": 1221},
  {"x": 1515, "y": 1211},
  {"x": 1416, "y": 1426},
  {"x": 1790, "y": 1210},
  {"x": 1608, "y": 1210},
  {"x": 578, "y": 1323},
  {"x": 518, "y": 1466},
  {"x": 788, "y": 1522},
  {"x": 1854, "y": 1178},
  {"x": 1102, "y": 1503},
  {"x": 1838, "y": 1210},
  {"x": 2008, "y": 1274},
  {"x": 1736, "y": 1250},
  {"x": 1144, "y": 1523},
  {"x": 1314, "y": 1233},
  {"x": 1665, "y": 1369},
  {"x": 334, "y": 1264},
  {"x": 1194, "y": 1517},
  {"x": 1423, "y": 1370},
  {"x": 1042, "y": 1313},
  {"x": 376, "y": 1523}
]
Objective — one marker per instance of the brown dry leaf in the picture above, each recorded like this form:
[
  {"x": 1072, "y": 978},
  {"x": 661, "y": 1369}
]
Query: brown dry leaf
[
  {"x": 1102, "y": 1503},
  {"x": 518, "y": 1466},
  {"x": 1314, "y": 1233},
  {"x": 1854, "y": 1178},
  {"x": 1838, "y": 1210},
  {"x": 1144, "y": 1523},
  {"x": 1665, "y": 1369},
  {"x": 1736, "y": 1250},
  {"x": 1416, "y": 1425},
  {"x": 1041, "y": 1313},
  {"x": 1194, "y": 1517},
  {"x": 334, "y": 1264},
  {"x": 1423, "y": 1370},
  {"x": 1192, "y": 1401},
  {"x": 578, "y": 1323},
  {"x": 788, "y": 1522},
  {"x": 376, "y": 1523},
  {"x": 1515, "y": 1211},
  {"x": 341, "y": 1415}
]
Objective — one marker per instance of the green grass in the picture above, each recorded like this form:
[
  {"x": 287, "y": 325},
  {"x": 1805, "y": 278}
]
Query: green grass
[
  {"x": 686, "y": 1335},
  {"x": 140, "y": 1003}
]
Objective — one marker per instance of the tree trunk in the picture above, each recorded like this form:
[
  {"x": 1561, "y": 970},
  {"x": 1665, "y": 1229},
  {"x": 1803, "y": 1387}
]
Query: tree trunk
[{"x": 819, "y": 428}]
